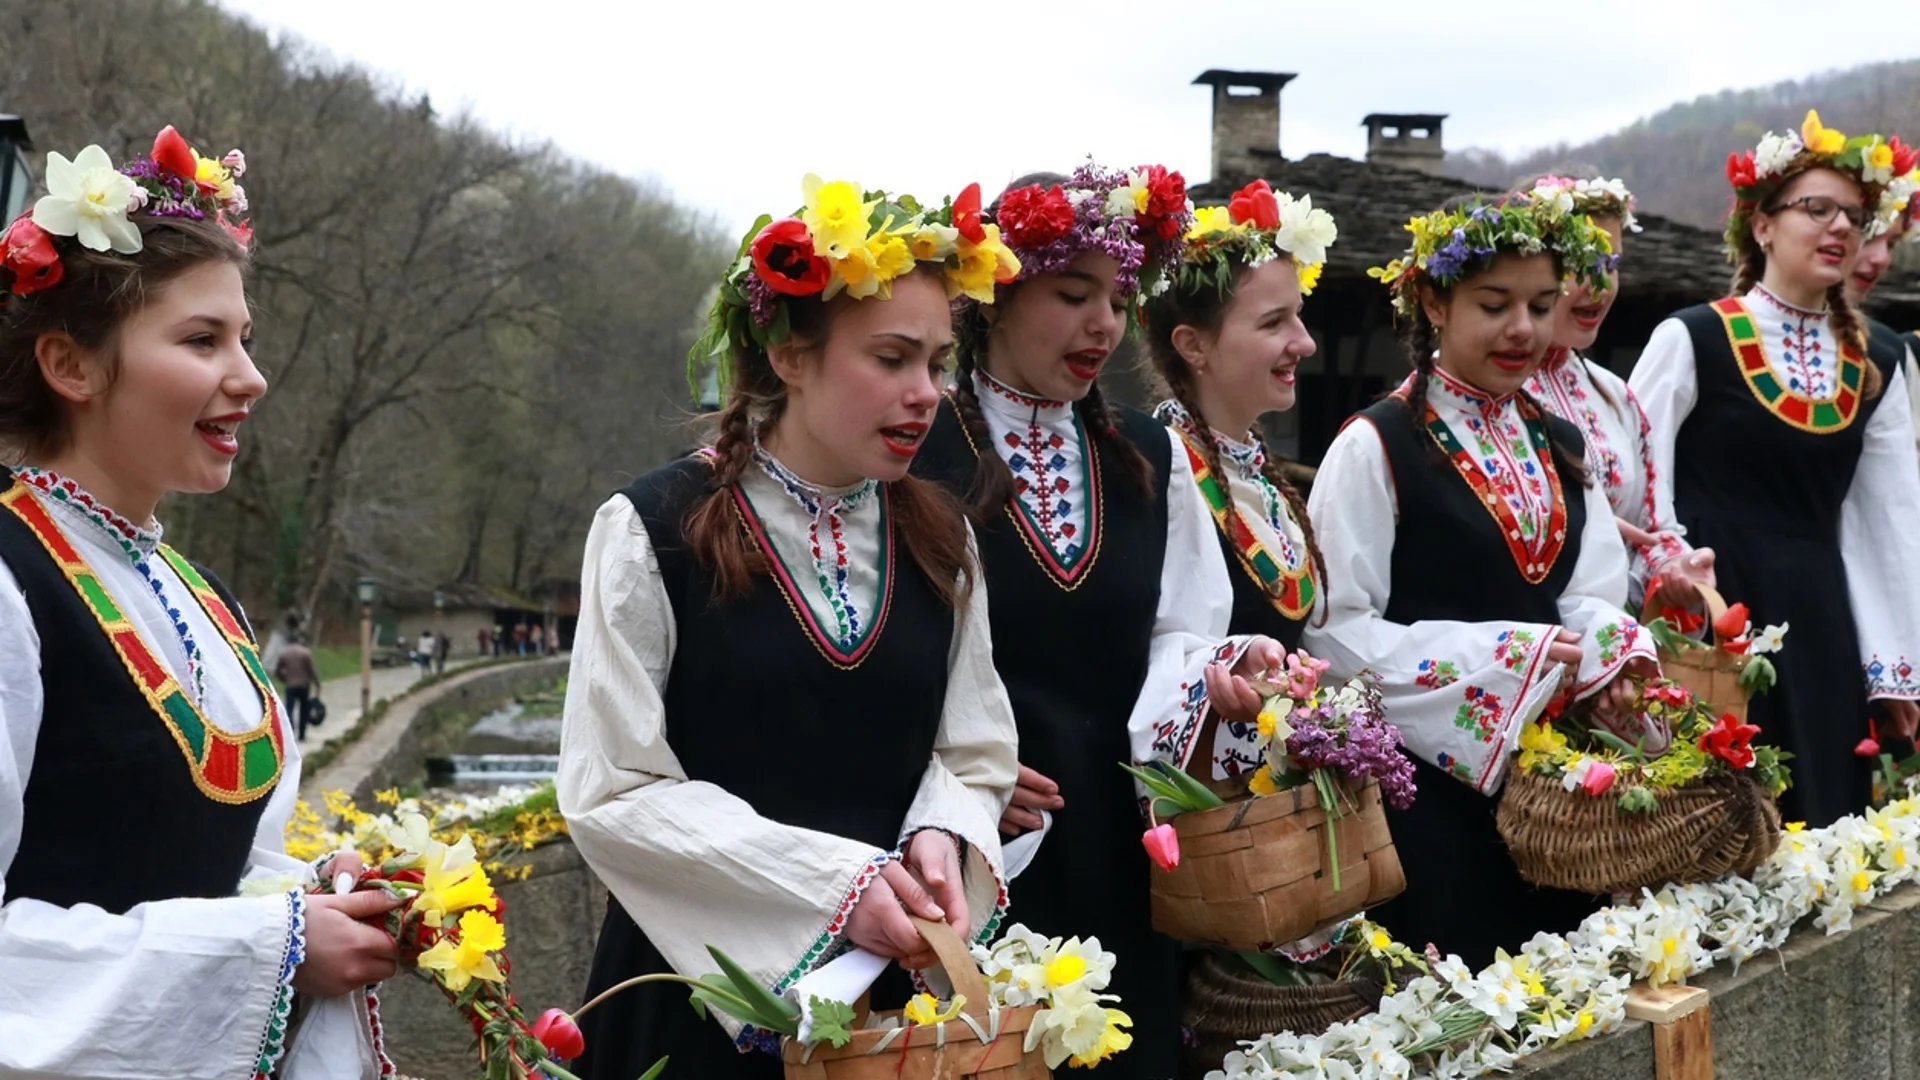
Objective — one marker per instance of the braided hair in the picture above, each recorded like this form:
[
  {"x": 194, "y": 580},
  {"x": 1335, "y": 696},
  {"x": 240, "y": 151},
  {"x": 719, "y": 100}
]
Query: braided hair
[
  {"x": 1204, "y": 310},
  {"x": 992, "y": 484},
  {"x": 928, "y": 522}
]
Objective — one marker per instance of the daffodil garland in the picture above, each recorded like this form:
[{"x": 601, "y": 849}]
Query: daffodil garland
[
  {"x": 1256, "y": 226},
  {"x": 1449, "y": 245},
  {"x": 513, "y": 820},
  {"x": 1456, "y": 1023},
  {"x": 1884, "y": 168},
  {"x": 845, "y": 240}
]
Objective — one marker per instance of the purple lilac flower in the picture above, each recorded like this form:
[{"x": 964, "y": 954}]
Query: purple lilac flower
[
  {"x": 1360, "y": 746},
  {"x": 761, "y": 300}
]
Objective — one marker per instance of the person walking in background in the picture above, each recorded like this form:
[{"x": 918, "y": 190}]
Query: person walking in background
[
  {"x": 442, "y": 645},
  {"x": 499, "y": 639},
  {"x": 538, "y": 638},
  {"x": 423, "y": 652},
  {"x": 520, "y": 638},
  {"x": 486, "y": 641},
  {"x": 294, "y": 668}
]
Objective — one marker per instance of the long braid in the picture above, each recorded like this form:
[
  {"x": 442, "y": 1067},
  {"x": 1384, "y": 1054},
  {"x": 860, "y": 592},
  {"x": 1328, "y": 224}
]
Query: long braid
[
  {"x": 992, "y": 484},
  {"x": 1102, "y": 425},
  {"x": 1847, "y": 327},
  {"x": 713, "y": 532}
]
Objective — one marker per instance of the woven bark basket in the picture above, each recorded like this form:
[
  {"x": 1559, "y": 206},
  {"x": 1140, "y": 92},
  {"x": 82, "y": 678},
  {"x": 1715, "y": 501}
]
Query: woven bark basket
[
  {"x": 1571, "y": 840},
  {"x": 1253, "y": 873},
  {"x": 949, "y": 1051},
  {"x": 1225, "y": 1006},
  {"x": 1711, "y": 675}
]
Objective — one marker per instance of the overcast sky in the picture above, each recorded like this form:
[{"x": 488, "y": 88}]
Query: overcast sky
[{"x": 726, "y": 103}]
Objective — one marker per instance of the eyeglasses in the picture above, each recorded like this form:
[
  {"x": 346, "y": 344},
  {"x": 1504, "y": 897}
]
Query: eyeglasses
[{"x": 1821, "y": 209}]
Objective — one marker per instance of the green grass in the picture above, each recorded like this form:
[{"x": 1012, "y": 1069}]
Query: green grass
[{"x": 336, "y": 661}]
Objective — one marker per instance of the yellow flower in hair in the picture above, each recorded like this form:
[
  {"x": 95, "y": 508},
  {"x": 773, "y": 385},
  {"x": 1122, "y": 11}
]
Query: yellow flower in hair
[
  {"x": 1310, "y": 277},
  {"x": 1208, "y": 220},
  {"x": 981, "y": 266},
  {"x": 932, "y": 242},
  {"x": 1820, "y": 139},
  {"x": 1881, "y": 156},
  {"x": 835, "y": 216},
  {"x": 858, "y": 272},
  {"x": 210, "y": 172},
  {"x": 891, "y": 258}
]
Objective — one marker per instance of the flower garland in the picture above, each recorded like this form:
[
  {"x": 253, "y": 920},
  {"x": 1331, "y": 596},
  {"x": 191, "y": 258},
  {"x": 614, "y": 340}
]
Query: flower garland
[
  {"x": 1135, "y": 217},
  {"x": 1448, "y": 245},
  {"x": 1457, "y": 1023},
  {"x": 845, "y": 240},
  {"x": 1255, "y": 227},
  {"x": 91, "y": 202},
  {"x": 1596, "y": 197},
  {"x": 517, "y": 818},
  {"x": 1883, "y": 167}
]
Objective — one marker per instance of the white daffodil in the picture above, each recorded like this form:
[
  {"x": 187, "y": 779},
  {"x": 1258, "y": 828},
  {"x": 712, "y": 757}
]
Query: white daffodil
[
  {"x": 87, "y": 198},
  {"x": 1770, "y": 640},
  {"x": 1305, "y": 232}
]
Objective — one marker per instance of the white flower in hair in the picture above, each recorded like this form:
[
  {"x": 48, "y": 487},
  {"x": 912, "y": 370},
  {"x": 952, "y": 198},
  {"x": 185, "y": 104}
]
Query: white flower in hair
[
  {"x": 1561, "y": 198},
  {"x": 87, "y": 198},
  {"x": 1305, "y": 231},
  {"x": 1775, "y": 153}
]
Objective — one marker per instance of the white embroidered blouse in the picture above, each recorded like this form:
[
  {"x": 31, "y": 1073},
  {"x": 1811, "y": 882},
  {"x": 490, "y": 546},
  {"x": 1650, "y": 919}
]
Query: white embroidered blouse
[
  {"x": 1460, "y": 692},
  {"x": 1878, "y": 542},
  {"x": 1619, "y": 452},
  {"x": 84, "y": 992},
  {"x": 670, "y": 849}
]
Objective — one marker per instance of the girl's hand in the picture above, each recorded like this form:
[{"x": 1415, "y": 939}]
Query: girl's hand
[
  {"x": 934, "y": 858},
  {"x": 344, "y": 951},
  {"x": 1617, "y": 708},
  {"x": 1678, "y": 576},
  {"x": 1032, "y": 793},
  {"x": 1230, "y": 693},
  {"x": 1903, "y": 718},
  {"x": 1564, "y": 648},
  {"x": 342, "y": 870},
  {"x": 879, "y": 922}
]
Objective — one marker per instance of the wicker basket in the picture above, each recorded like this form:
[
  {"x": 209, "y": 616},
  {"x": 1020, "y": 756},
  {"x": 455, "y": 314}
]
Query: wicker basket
[
  {"x": 1253, "y": 874},
  {"x": 1571, "y": 840},
  {"x": 1711, "y": 675},
  {"x": 949, "y": 1051},
  {"x": 1226, "y": 1006}
]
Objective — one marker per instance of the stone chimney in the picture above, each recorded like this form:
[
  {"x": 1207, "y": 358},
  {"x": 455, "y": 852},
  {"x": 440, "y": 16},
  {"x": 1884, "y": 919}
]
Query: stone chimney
[
  {"x": 1246, "y": 120},
  {"x": 1406, "y": 140}
]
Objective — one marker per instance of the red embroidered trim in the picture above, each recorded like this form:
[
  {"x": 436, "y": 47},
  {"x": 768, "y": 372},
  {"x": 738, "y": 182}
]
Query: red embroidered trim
[
  {"x": 1553, "y": 536},
  {"x": 797, "y": 601}
]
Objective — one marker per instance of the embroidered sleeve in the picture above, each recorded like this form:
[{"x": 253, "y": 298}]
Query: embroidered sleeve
[
  {"x": 1663, "y": 391},
  {"x": 1458, "y": 691},
  {"x": 975, "y": 764},
  {"x": 1645, "y": 512},
  {"x": 1189, "y": 632},
  {"x": 1882, "y": 548},
  {"x": 1590, "y": 606},
  {"x": 673, "y": 851}
]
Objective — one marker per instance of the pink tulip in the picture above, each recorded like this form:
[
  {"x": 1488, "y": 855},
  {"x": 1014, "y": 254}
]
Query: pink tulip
[
  {"x": 1868, "y": 747},
  {"x": 559, "y": 1034},
  {"x": 1599, "y": 778},
  {"x": 1163, "y": 846}
]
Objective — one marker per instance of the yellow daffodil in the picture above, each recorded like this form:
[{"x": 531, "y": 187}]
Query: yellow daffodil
[
  {"x": 890, "y": 257},
  {"x": 453, "y": 883},
  {"x": 1208, "y": 220},
  {"x": 1261, "y": 782},
  {"x": 835, "y": 216},
  {"x": 1112, "y": 1041},
  {"x": 1820, "y": 139},
  {"x": 1881, "y": 156},
  {"x": 932, "y": 242},
  {"x": 981, "y": 266},
  {"x": 1379, "y": 941},
  {"x": 1265, "y": 723},
  {"x": 1310, "y": 277},
  {"x": 1582, "y": 1024},
  {"x": 389, "y": 797},
  {"x": 925, "y": 1011},
  {"x": 1540, "y": 744},
  {"x": 1065, "y": 970},
  {"x": 212, "y": 173},
  {"x": 460, "y": 962}
]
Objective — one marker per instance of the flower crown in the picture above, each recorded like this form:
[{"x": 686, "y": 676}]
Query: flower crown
[
  {"x": 1883, "y": 167},
  {"x": 842, "y": 240},
  {"x": 1598, "y": 197},
  {"x": 91, "y": 202},
  {"x": 1256, "y": 226},
  {"x": 1450, "y": 244},
  {"x": 1137, "y": 218}
]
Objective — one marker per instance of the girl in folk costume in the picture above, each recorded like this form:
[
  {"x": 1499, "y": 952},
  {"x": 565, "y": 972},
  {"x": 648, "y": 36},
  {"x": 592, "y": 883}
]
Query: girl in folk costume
[
  {"x": 1610, "y": 420},
  {"x": 1786, "y": 444},
  {"x": 150, "y": 921},
  {"x": 861, "y": 765},
  {"x": 1876, "y": 258},
  {"x": 1226, "y": 340},
  {"x": 1096, "y": 544},
  {"x": 1471, "y": 563}
]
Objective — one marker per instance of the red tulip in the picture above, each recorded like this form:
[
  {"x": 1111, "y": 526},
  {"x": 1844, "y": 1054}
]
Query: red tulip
[
  {"x": 1732, "y": 624},
  {"x": 1600, "y": 776},
  {"x": 27, "y": 252},
  {"x": 966, "y": 215},
  {"x": 1904, "y": 157},
  {"x": 1740, "y": 170},
  {"x": 1730, "y": 741},
  {"x": 560, "y": 1035},
  {"x": 1867, "y": 748},
  {"x": 1163, "y": 846},
  {"x": 172, "y": 153},
  {"x": 1255, "y": 203},
  {"x": 783, "y": 257}
]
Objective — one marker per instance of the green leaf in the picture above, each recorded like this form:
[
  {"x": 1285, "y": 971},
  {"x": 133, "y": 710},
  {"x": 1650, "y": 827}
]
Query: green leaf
[
  {"x": 654, "y": 1073},
  {"x": 1194, "y": 790},
  {"x": 784, "y": 1015},
  {"x": 746, "y": 242},
  {"x": 1758, "y": 676},
  {"x": 1615, "y": 742},
  {"x": 832, "y": 1020},
  {"x": 1155, "y": 781},
  {"x": 1270, "y": 968}
]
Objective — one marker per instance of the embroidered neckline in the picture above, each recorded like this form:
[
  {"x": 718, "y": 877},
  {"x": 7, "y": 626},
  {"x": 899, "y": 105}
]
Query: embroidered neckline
[
  {"x": 826, "y": 510},
  {"x": 1795, "y": 310},
  {"x": 1795, "y": 408},
  {"x": 848, "y": 644},
  {"x": 227, "y": 767},
  {"x": 1249, "y": 462},
  {"x": 1287, "y": 584},
  {"x": 1458, "y": 390},
  {"x": 1067, "y": 574},
  {"x": 136, "y": 543},
  {"x": 1553, "y": 536},
  {"x": 993, "y": 390}
]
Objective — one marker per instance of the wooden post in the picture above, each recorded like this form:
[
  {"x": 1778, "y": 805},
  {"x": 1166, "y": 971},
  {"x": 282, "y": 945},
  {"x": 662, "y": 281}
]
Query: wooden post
[{"x": 1682, "y": 1029}]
